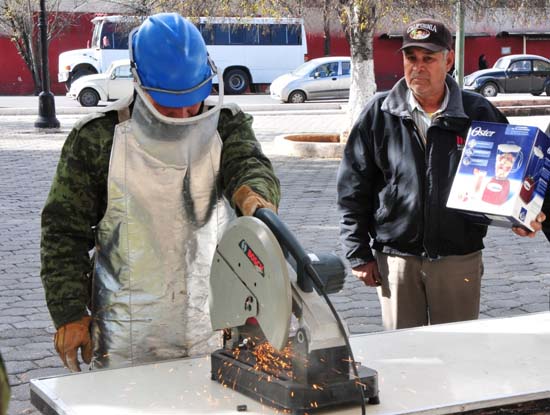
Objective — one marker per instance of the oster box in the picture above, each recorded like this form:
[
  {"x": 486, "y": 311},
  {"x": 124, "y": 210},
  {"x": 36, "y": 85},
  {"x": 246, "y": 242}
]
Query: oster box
[{"x": 503, "y": 174}]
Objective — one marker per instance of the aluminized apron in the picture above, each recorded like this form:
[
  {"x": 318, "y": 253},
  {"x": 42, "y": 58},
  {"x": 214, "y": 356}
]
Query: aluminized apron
[{"x": 165, "y": 214}]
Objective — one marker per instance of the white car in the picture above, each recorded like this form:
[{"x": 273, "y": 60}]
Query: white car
[
  {"x": 327, "y": 77},
  {"x": 115, "y": 83}
]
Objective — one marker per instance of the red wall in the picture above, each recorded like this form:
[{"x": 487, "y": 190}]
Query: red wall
[
  {"x": 539, "y": 47},
  {"x": 316, "y": 45},
  {"x": 388, "y": 63},
  {"x": 15, "y": 78}
]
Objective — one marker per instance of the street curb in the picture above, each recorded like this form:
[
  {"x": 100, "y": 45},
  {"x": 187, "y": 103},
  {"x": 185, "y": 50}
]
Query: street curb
[
  {"x": 525, "y": 111},
  {"x": 58, "y": 111},
  {"x": 506, "y": 107},
  {"x": 315, "y": 108}
]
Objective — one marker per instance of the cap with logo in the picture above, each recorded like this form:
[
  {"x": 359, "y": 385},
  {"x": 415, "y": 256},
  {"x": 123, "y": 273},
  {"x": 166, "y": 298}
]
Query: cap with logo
[{"x": 428, "y": 34}]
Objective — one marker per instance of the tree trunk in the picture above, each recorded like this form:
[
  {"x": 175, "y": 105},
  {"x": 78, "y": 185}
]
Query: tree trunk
[
  {"x": 363, "y": 86},
  {"x": 326, "y": 26},
  {"x": 36, "y": 71}
]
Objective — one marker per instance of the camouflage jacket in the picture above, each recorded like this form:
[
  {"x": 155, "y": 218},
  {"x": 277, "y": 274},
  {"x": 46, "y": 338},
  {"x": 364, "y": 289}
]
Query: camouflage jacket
[
  {"x": 78, "y": 197},
  {"x": 4, "y": 389}
]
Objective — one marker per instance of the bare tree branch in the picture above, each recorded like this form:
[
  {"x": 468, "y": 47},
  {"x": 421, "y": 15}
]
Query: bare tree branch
[{"x": 18, "y": 20}]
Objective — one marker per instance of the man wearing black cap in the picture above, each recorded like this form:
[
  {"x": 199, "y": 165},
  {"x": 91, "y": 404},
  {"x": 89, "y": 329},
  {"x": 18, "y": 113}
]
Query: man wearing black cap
[{"x": 393, "y": 185}]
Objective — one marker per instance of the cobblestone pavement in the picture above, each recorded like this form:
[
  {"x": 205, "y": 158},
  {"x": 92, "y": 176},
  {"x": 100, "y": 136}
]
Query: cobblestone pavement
[{"x": 517, "y": 270}]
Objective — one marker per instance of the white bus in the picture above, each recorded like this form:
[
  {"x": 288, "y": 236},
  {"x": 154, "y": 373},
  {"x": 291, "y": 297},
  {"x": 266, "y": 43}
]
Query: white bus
[{"x": 247, "y": 51}]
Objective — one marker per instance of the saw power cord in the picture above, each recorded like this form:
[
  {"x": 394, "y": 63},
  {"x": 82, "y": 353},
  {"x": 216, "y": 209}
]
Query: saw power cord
[
  {"x": 320, "y": 287},
  {"x": 305, "y": 266}
]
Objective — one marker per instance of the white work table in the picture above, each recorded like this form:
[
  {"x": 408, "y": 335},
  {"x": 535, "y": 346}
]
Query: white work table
[{"x": 441, "y": 369}]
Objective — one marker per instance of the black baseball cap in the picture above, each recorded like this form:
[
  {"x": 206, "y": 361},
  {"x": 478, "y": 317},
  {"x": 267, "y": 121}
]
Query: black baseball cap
[{"x": 428, "y": 34}]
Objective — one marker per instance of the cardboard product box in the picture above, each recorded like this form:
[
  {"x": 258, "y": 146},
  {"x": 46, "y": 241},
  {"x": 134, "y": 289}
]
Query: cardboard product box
[{"x": 503, "y": 174}]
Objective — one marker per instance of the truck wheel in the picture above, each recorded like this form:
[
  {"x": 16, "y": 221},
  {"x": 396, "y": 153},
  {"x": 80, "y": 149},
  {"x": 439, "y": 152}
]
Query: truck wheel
[
  {"x": 235, "y": 81},
  {"x": 88, "y": 97}
]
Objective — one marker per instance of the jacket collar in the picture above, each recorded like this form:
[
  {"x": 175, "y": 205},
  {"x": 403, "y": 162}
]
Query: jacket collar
[{"x": 396, "y": 101}]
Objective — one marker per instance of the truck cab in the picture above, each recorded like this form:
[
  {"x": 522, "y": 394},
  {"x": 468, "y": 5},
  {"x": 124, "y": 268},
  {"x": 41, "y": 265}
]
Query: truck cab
[{"x": 109, "y": 42}]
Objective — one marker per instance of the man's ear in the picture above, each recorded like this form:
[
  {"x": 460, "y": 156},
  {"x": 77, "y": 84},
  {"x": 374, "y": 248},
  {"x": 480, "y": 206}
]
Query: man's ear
[{"x": 450, "y": 59}]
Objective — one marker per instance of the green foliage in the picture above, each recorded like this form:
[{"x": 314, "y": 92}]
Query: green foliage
[{"x": 220, "y": 8}]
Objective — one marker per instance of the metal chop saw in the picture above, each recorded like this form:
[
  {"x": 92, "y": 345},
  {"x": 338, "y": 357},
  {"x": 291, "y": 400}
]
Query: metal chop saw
[{"x": 284, "y": 344}]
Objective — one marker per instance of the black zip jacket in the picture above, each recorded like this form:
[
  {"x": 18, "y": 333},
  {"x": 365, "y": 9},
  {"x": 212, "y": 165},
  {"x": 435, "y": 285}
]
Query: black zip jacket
[{"x": 393, "y": 189}]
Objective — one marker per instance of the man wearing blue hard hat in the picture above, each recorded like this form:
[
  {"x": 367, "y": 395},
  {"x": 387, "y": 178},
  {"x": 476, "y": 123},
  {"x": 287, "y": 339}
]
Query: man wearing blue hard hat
[{"x": 150, "y": 183}]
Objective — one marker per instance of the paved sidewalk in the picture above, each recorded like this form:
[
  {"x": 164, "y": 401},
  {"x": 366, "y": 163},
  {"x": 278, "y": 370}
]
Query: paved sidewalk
[{"x": 517, "y": 270}]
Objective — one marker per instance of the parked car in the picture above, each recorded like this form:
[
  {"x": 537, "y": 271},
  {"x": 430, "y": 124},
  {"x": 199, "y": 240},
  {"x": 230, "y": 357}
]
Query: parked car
[
  {"x": 327, "y": 77},
  {"x": 115, "y": 83},
  {"x": 512, "y": 73}
]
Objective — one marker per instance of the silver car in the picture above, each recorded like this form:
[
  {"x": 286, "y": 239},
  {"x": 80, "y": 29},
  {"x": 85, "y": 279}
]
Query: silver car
[{"x": 327, "y": 77}]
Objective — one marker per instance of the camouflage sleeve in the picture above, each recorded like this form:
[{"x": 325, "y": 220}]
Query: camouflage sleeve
[
  {"x": 75, "y": 204},
  {"x": 243, "y": 161},
  {"x": 4, "y": 389}
]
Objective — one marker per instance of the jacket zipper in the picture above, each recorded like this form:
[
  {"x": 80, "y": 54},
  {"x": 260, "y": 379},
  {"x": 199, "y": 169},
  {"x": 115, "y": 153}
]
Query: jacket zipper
[{"x": 417, "y": 135}]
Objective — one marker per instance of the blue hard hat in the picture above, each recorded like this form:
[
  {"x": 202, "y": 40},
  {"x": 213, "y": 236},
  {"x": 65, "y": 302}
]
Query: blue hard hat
[{"x": 171, "y": 60}]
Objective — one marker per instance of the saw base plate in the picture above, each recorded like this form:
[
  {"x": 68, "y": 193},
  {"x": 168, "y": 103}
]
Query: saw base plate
[{"x": 286, "y": 394}]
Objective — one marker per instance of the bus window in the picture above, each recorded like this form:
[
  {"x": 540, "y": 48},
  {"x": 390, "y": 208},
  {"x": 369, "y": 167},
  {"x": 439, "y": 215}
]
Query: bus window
[
  {"x": 274, "y": 34},
  {"x": 95, "y": 37},
  {"x": 120, "y": 40},
  {"x": 221, "y": 34},
  {"x": 215, "y": 33},
  {"x": 207, "y": 33},
  {"x": 114, "y": 34},
  {"x": 107, "y": 38},
  {"x": 243, "y": 34},
  {"x": 294, "y": 34},
  {"x": 264, "y": 35},
  {"x": 278, "y": 34}
]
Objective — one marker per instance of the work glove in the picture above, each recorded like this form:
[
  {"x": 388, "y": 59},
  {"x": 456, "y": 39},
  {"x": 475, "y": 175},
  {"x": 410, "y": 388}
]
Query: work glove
[
  {"x": 71, "y": 337},
  {"x": 247, "y": 200}
]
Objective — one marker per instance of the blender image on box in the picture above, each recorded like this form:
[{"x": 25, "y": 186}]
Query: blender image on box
[
  {"x": 532, "y": 177},
  {"x": 508, "y": 160}
]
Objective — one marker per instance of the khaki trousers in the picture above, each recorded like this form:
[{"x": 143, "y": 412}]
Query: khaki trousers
[{"x": 416, "y": 291}]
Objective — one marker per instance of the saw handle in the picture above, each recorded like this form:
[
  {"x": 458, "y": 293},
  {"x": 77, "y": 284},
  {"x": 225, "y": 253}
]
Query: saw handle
[{"x": 291, "y": 245}]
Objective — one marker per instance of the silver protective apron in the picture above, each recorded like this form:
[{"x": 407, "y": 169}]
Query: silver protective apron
[{"x": 155, "y": 244}]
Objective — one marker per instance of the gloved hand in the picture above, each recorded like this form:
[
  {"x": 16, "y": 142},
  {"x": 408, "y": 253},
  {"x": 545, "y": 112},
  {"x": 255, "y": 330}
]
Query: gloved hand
[
  {"x": 247, "y": 200},
  {"x": 71, "y": 337}
]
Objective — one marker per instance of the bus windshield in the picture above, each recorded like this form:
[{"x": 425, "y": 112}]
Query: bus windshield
[{"x": 96, "y": 36}]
